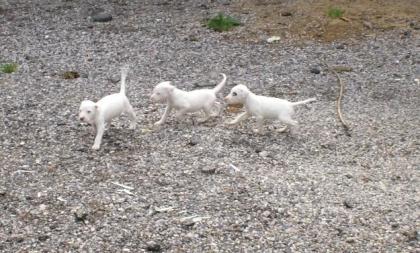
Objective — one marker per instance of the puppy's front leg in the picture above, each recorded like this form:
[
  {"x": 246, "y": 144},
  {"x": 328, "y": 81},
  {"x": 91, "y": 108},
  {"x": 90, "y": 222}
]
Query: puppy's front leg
[
  {"x": 100, "y": 128},
  {"x": 260, "y": 122},
  {"x": 238, "y": 119},
  {"x": 164, "y": 116},
  {"x": 180, "y": 114},
  {"x": 132, "y": 116}
]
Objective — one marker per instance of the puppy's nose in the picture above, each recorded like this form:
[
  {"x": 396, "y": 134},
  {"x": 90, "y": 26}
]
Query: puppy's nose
[{"x": 82, "y": 118}]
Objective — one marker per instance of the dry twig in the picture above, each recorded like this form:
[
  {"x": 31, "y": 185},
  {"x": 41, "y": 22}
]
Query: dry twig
[{"x": 340, "y": 98}]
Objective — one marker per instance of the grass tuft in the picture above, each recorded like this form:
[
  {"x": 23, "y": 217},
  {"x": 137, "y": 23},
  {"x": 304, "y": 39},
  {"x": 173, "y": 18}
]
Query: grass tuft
[
  {"x": 222, "y": 23},
  {"x": 9, "y": 67},
  {"x": 335, "y": 12},
  {"x": 71, "y": 75}
]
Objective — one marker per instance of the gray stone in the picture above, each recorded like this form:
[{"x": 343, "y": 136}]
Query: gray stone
[
  {"x": 315, "y": 70},
  {"x": 153, "y": 246},
  {"x": 101, "y": 17}
]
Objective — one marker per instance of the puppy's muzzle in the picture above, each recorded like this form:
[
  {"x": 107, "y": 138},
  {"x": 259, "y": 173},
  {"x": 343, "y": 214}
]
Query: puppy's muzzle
[{"x": 82, "y": 119}]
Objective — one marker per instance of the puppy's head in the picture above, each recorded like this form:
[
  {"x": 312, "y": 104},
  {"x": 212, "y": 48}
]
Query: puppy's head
[
  {"x": 162, "y": 91},
  {"x": 237, "y": 95},
  {"x": 87, "y": 111}
]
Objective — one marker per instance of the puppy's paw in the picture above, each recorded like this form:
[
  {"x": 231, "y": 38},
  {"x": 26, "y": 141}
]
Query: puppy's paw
[
  {"x": 257, "y": 131},
  {"x": 95, "y": 147},
  {"x": 158, "y": 124}
]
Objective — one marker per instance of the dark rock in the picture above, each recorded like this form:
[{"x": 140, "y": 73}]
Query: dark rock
[
  {"x": 414, "y": 25},
  {"x": 348, "y": 176},
  {"x": 2, "y": 191},
  {"x": 286, "y": 13},
  {"x": 153, "y": 246},
  {"x": 340, "y": 46},
  {"x": 80, "y": 214},
  {"x": 208, "y": 170},
  {"x": 406, "y": 34},
  {"x": 102, "y": 17},
  {"x": 348, "y": 203},
  {"x": 43, "y": 238},
  {"x": 411, "y": 234},
  {"x": 315, "y": 70}
]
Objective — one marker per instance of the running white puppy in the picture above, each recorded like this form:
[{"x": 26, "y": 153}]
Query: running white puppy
[
  {"x": 185, "y": 101},
  {"x": 263, "y": 107},
  {"x": 102, "y": 112}
]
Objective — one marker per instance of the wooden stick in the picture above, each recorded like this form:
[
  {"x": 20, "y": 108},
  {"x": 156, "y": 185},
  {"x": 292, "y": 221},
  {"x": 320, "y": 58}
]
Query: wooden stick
[{"x": 340, "y": 98}]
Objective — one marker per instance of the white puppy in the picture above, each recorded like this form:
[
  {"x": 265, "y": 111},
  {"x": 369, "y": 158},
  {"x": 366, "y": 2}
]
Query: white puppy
[
  {"x": 263, "y": 107},
  {"x": 185, "y": 101},
  {"x": 102, "y": 112}
]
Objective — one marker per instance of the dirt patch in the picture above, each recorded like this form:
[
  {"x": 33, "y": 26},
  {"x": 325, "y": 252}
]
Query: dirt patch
[{"x": 304, "y": 19}]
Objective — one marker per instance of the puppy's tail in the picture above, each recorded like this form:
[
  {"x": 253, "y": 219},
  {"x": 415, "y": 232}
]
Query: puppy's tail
[
  {"x": 304, "y": 101},
  {"x": 221, "y": 84},
  {"x": 124, "y": 71}
]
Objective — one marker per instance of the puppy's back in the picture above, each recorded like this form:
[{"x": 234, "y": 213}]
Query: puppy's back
[
  {"x": 271, "y": 107},
  {"x": 112, "y": 105}
]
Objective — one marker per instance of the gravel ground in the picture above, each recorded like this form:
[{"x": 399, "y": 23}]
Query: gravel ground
[{"x": 315, "y": 189}]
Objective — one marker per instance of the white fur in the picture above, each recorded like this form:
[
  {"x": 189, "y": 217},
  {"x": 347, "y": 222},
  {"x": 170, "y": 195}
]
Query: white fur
[
  {"x": 185, "y": 101},
  {"x": 102, "y": 112},
  {"x": 263, "y": 107}
]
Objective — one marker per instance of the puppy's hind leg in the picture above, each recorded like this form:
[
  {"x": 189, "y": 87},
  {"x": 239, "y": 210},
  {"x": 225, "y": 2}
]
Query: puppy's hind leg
[
  {"x": 207, "y": 112},
  {"x": 131, "y": 115},
  {"x": 285, "y": 118},
  {"x": 218, "y": 108},
  {"x": 239, "y": 118}
]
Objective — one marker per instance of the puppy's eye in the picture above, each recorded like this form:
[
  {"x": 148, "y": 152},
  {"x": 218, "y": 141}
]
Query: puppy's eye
[
  {"x": 88, "y": 111},
  {"x": 234, "y": 94}
]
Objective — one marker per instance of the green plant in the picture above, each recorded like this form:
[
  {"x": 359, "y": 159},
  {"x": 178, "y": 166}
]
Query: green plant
[
  {"x": 222, "y": 23},
  {"x": 9, "y": 67},
  {"x": 335, "y": 12},
  {"x": 71, "y": 75}
]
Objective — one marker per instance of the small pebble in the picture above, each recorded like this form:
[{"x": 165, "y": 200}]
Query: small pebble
[{"x": 315, "y": 70}]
